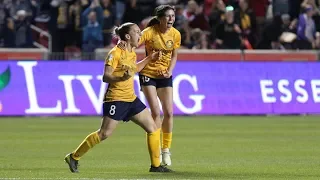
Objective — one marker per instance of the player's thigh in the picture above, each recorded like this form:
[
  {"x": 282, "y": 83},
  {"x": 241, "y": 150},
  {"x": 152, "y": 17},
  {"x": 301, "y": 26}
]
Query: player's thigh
[
  {"x": 150, "y": 92},
  {"x": 113, "y": 112},
  {"x": 165, "y": 95},
  {"x": 108, "y": 125},
  {"x": 145, "y": 121}
]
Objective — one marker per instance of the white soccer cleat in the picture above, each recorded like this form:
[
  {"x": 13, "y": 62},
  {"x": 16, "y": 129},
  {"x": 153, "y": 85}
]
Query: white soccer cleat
[
  {"x": 166, "y": 159},
  {"x": 160, "y": 157}
]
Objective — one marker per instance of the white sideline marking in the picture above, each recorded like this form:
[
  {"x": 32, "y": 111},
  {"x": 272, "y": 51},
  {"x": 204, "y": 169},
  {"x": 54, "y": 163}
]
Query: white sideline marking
[
  {"x": 61, "y": 179},
  {"x": 70, "y": 179}
]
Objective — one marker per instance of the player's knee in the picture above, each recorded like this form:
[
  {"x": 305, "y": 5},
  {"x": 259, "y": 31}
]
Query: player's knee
[
  {"x": 156, "y": 115},
  {"x": 157, "y": 121},
  {"x": 168, "y": 114},
  {"x": 104, "y": 134},
  {"x": 152, "y": 128}
]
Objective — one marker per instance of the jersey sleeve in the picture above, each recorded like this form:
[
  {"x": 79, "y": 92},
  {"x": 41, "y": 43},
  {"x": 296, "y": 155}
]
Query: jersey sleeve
[
  {"x": 112, "y": 59},
  {"x": 145, "y": 36},
  {"x": 177, "y": 40}
]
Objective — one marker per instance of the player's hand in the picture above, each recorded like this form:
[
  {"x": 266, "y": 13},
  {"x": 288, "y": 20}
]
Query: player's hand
[
  {"x": 156, "y": 55},
  {"x": 166, "y": 73},
  {"x": 126, "y": 75},
  {"x": 125, "y": 67},
  {"x": 122, "y": 45}
]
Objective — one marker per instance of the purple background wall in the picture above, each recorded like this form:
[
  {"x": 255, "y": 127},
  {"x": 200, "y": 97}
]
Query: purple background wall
[{"x": 202, "y": 88}]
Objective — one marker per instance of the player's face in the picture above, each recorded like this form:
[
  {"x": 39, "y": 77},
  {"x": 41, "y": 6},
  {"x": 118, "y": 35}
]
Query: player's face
[
  {"x": 135, "y": 34},
  {"x": 168, "y": 19}
]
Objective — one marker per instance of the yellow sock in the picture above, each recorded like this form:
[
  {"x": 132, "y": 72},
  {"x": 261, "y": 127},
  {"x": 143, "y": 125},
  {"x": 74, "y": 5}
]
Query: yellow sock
[
  {"x": 153, "y": 140},
  {"x": 166, "y": 140},
  {"x": 89, "y": 142},
  {"x": 161, "y": 139}
]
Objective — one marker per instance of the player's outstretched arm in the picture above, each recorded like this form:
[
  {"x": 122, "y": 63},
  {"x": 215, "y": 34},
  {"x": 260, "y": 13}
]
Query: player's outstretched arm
[
  {"x": 154, "y": 56},
  {"x": 109, "y": 78}
]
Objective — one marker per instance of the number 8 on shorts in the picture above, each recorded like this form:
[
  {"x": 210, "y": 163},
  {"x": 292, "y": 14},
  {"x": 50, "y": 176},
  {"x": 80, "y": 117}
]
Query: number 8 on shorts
[{"x": 112, "y": 110}]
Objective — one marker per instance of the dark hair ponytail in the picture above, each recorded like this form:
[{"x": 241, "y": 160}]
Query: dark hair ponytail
[
  {"x": 159, "y": 12},
  {"x": 122, "y": 30},
  {"x": 153, "y": 21},
  {"x": 116, "y": 31}
]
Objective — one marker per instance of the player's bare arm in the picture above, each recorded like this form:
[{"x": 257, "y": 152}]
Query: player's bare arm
[
  {"x": 108, "y": 77},
  {"x": 153, "y": 57},
  {"x": 173, "y": 62}
]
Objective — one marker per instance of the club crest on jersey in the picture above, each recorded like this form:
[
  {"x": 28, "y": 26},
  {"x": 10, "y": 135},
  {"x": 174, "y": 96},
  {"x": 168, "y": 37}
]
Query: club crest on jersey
[
  {"x": 169, "y": 44},
  {"x": 110, "y": 57}
]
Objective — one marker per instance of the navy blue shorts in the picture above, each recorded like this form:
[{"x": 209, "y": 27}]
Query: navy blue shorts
[
  {"x": 158, "y": 83},
  {"x": 120, "y": 110}
]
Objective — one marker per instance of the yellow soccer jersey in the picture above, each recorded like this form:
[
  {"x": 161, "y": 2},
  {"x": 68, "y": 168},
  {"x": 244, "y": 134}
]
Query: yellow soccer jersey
[
  {"x": 156, "y": 41},
  {"x": 120, "y": 61}
]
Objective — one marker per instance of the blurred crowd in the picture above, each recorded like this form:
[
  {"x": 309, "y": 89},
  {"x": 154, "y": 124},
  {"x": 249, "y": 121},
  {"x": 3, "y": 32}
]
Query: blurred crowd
[{"x": 84, "y": 25}]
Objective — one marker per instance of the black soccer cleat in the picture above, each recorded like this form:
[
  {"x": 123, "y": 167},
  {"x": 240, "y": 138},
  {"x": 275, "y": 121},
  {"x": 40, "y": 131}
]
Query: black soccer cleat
[
  {"x": 160, "y": 169},
  {"x": 73, "y": 164}
]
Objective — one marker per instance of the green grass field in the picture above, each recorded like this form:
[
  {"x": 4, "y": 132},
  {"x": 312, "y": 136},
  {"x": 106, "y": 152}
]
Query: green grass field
[{"x": 203, "y": 148}]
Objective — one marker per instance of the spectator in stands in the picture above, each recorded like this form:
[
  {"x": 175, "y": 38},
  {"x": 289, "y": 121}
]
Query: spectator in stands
[
  {"x": 59, "y": 25},
  {"x": 228, "y": 32},
  {"x": 185, "y": 2},
  {"x": 207, "y": 6},
  {"x": 137, "y": 10},
  {"x": 294, "y": 9},
  {"x": 2, "y": 22},
  {"x": 246, "y": 19},
  {"x": 18, "y": 31},
  {"x": 9, "y": 34},
  {"x": 233, "y": 3},
  {"x": 195, "y": 19},
  {"x": 316, "y": 15},
  {"x": 280, "y": 7},
  {"x": 92, "y": 30},
  {"x": 195, "y": 16},
  {"x": 190, "y": 10},
  {"x": 30, "y": 6},
  {"x": 216, "y": 17},
  {"x": 109, "y": 20},
  {"x": 288, "y": 37},
  {"x": 198, "y": 39},
  {"x": 181, "y": 24},
  {"x": 310, "y": 3},
  {"x": 169, "y": 2},
  {"x": 120, "y": 9},
  {"x": 271, "y": 34},
  {"x": 306, "y": 29},
  {"x": 23, "y": 36},
  {"x": 75, "y": 25},
  {"x": 259, "y": 8}
]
